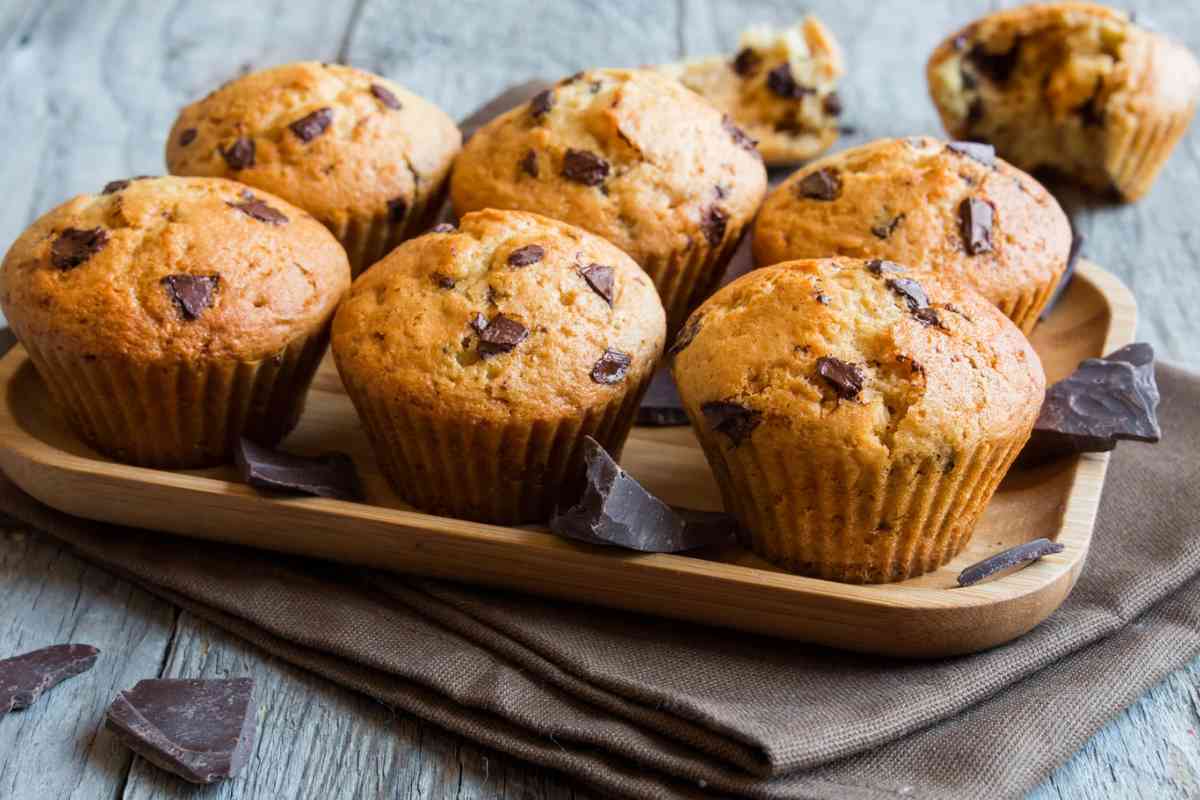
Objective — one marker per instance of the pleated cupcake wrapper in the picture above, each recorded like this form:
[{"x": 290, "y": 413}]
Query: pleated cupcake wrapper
[
  {"x": 367, "y": 240},
  {"x": 1025, "y": 307},
  {"x": 834, "y": 518},
  {"x": 1134, "y": 162},
  {"x": 685, "y": 279},
  {"x": 180, "y": 415},
  {"x": 502, "y": 473}
]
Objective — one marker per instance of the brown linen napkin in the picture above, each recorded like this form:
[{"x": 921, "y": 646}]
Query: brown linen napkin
[{"x": 651, "y": 708}]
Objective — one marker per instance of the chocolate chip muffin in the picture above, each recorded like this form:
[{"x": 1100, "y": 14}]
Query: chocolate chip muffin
[
  {"x": 1076, "y": 88},
  {"x": 480, "y": 358},
  {"x": 951, "y": 209},
  {"x": 366, "y": 157},
  {"x": 780, "y": 87},
  {"x": 169, "y": 316},
  {"x": 858, "y": 418},
  {"x": 634, "y": 157}
]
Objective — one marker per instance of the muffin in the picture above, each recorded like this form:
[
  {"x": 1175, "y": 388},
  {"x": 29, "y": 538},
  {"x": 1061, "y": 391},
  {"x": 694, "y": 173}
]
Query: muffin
[
  {"x": 1076, "y": 88},
  {"x": 480, "y": 358},
  {"x": 951, "y": 209},
  {"x": 169, "y": 316},
  {"x": 857, "y": 418},
  {"x": 780, "y": 87},
  {"x": 363, "y": 155},
  {"x": 634, "y": 157}
]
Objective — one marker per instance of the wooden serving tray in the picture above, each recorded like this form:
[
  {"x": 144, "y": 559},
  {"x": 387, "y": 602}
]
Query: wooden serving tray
[{"x": 923, "y": 617}]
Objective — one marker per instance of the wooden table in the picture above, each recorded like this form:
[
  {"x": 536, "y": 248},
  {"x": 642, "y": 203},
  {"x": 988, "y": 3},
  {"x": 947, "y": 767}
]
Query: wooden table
[{"x": 87, "y": 94}]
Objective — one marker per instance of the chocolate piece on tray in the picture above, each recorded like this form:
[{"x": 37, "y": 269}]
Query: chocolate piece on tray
[
  {"x": 661, "y": 407},
  {"x": 24, "y": 678},
  {"x": 328, "y": 475},
  {"x": 1029, "y": 551},
  {"x": 615, "y": 510},
  {"x": 201, "y": 730}
]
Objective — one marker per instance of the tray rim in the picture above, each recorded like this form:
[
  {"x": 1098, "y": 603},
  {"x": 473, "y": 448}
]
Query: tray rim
[{"x": 45, "y": 472}]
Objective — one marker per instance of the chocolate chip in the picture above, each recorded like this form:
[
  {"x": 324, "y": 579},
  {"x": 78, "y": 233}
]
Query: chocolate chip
[
  {"x": 193, "y": 294},
  {"x": 996, "y": 67},
  {"x": 385, "y": 96},
  {"x": 732, "y": 419},
  {"x": 983, "y": 153},
  {"x": 114, "y": 186},
  {"x": 832, "y": 104},
  {"x": 501, "y": 335},
  {"x": 821, "y": 298},
  {"x": 601, "y": 278},
  {"x": 845, "y": 379},
  {"x": 75, "y": 246},
  {"x": 529, "y": 164},
  {"x": 611, "y": 367},
  {"x": 312, "y": 125},
  {"x": 746, "y": 62},
  {"x": 541, "y": 103},
  {"x": 240, "y": 154},
  {"x": 928, "y": 317},
  {"x": 254, "y": 207},
  {"x": 442, "y": 281},
  {"x": 878, "y": 266},
  {"x": 397, "y": 208},
  {"x": 739, "y": 136},
  {"x": 187, "y": 136},
  {"x": 1022, "y": 553},
  {"x": 24, "y": 678},
  {"x": 330, "y": 475},
  {"x": 781, "y": 81},
  {"x": 524, "y": 256},
  {"x": 884, "y": 230},
  {"x": 685, "y": 335},
  {"x": 584, "y": 167},
  {"x": 824, "y": 185},
  {"x": 443, "y": 227},
  {"x": 911, "y": 291},
  {"x": 712, "y": 224},
  {"x": 975, "y": 216}
]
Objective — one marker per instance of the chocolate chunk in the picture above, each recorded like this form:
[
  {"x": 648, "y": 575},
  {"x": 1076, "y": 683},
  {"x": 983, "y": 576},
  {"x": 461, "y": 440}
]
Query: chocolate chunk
[
  {"x": 1022, "y": 553},
  {"x": 928, "y": 317},
  {"x": 983, "y": 153},
  {"x": 501, "y": 335},
  {"x": 602, "y": 280},
  {"x": 584, "y": 167},
  {"x": 115, "y": 186},
  {"x": 525, "y": 256},
  {"x": 781, "y": 81},
  {"x": 821, "y": 298},
  {"x": 331, "y": 475},
  {"x": 201, "y": 730},
  {"x": 661, "y": 407},
  {"x": 187, "y": 136},
  {"x": 832, "y": 104},
  {"x": 824, "y": 184},
  {"x": 443, "y": 227},
  {"x": 541, "y": 103},
  {"x": 253, "y": 207},
  {"x": 75, "y": 246},
  {"x": 529, "y": 164},
  {"x": 746, "y": 62},
  {"x": 240, "y": 154},
  {"x": 712, "y": 224},
  {"x": 615, "y": 510},
  {"x": 193, "y": 294},
  {"x": 397, "y": 208},
  {"x": 24, "y": 678},
  {"x": 685, "y": 335},
  {"x": 845, "y": 379},
  {"x": 884, "y": 230},
  {"x": 996, "y": 67},
  {"x": 911, "y": 291},
  {"x": 1104, "y": 400},
  {"x": 975, "y": 216},
  {"x": 442, "y": 281},
  {"x": 739, "y": 136},
  {"x": 732, "y": 419},
  {"x": 879, "y": 266},
  {"x": 612, "y": 367},
  {"x": 312, "y": 125},
  {"x": 385, "y": 96}
]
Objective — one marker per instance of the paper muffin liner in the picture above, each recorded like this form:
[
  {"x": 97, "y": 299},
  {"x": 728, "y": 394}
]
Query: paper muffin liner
[
  {"x": 181, "y": 415},
  {"x": 829, "y": 516},
  {"x": 686, "y": 278},
  {"x": 368, "y": 239},
  {"x": 1133, "y": 162},
  {"x": 505, "y": 473},
  {"x": 1024, "y": 306}
]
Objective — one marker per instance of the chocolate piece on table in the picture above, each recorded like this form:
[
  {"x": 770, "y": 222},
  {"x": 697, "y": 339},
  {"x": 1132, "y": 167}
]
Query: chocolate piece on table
[
  {"x": 330, "y": 475},
  {"x": 615, "y": 510},
  {"x": 201, "y": 730},
  {"x": 661, "y": 407},
  {"x": 1029, "y": 551},
  {"x": 24, "y": 678}
]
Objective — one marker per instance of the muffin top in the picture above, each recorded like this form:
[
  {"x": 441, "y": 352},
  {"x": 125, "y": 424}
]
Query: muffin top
[
  {"x": 857, "y": 355},
  {"x": 953, "y": 209},
  {"x": 510, "y": 314},
  {"x": 630, "y": 155},
  {"x": 170, "y": 269},
  {"x": 337, "y": 141}
]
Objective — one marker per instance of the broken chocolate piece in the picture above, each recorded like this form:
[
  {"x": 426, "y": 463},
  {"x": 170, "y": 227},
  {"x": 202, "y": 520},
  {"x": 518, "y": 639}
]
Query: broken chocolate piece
[
  {"x": 821, "y": 298},
  {"x": 443, "y": 227},
  {"x": 201, "y": 730},
  {"x": 978, "y": 151},
  {"x": 24, "y": 678},
  {"x": 878, "y": 266},
  {"x": 310, "y": 126},
  {"x": 662, "y": 407},
  {"x": 685, "y": 335},
  {"x": 782, "y": 83},
  {"x": 75, "y": 246},
  {"x": 911, "y": 291},
  {"x": 739, "y": 136},
  {"x": 541, "y": 103},
  {"x": 525, "y": 256},
  {"x": 612, "y": 367},
  {"x": 331, "y": 475},
  {"x": 187, "y": 136},
  {"x": 975, "y": 216},
  {"x": 615, "y": 510},
  {"x": 443, "y": 281},
  {"x": 824, "y": 184},
  {"x": 529, "y": 164},
  {"x": 601, "y": 278},
  {"x": 385, "y": 96},
  {"x": 240, "y": 154},
  {"x": 584, "y": 167},
  {"x": 996, "y": 67},
  {"x": 832, "y": 104},
  {"x": 885, "y": 230},
  {"x": 732, "y": 419},
  {"x": 255, "y": 208},
  {"x": 1022, "y": 553},
  {"x": 845, "y": 379},
  {"x": 115, "y": 186},
  {"x": 193, "y": 294},
  {"x": 929, "y": 317},
  {"x": 746, "y": 62},
  {"x": 501, "y": 335},
  {"x": 712, "y": 224}
]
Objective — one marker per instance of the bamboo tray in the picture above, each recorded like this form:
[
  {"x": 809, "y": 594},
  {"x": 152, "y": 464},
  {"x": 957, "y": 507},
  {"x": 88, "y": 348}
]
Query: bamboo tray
[{"x": 923, "y": 617}]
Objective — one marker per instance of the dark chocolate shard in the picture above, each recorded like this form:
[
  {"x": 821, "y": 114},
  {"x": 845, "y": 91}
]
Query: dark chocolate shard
[
  {"x": 501, "y": 335},
  {"x": 187, "y": 136},
  {"x": 1077, "y": 242},
  {"x": 529, "y": 164},
  {"x": 201, "y": 730},
  {"x": 193, "y": 294},
  {"x": 879, "y": 266},
  {"x": 611, "y": 367},
  {"x": 526, "y": 256},
  {"x": 331, "y": 475},
  {"x": 24, "y": 678},
  {"x": 240, "y": 154},
  {"x": 844, "y": 378},
  {"x": 884, "y": 230},
  {"x": 824, "y": 184},
  {"x": 1103, "y": 401},
  {"x": 257, "y": 209},
  {"x": 115, "y": 186},
  {"x": 685, "y": 335},
  {"x": 74, "y": 246},
  {"x": 584, "y": 167},
  {"x": 385, "y": 96},
  {"x": 911, "y": 291},
  {"x": 616, "y": 511},
  {"x": 996, "y": 67},
  {"x": 782, "y": 82},
  {"x": 1021, "y": 554},
  {"x": 310, "y": 126},
  {"x": 746, "y": 62},
  {"x": 740, "y": 138},
  {"x": 975, "y": 216},
  {"x": 983, "y": 153},
  {"x": 712, "y": 223},
  {"x": 732, "y": 419},
  {"x": 602, "y": 280},
  {"x": 662, "y": 407},
  {"x": 541, "y": 104}
]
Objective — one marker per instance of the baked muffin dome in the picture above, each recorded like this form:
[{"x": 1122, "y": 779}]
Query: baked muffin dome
[
  {"x": 629, "y": 155},
  {"x": 168, "y": 316},
  {"x": 365, "y": 156},
  {"x": 858, "y": 417},
  {"x": 480, "y": 358},
  {"x": 950, "y": 209},
  {"x": 1073, "y": 87}
]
